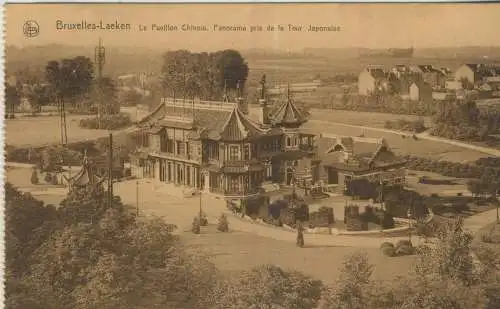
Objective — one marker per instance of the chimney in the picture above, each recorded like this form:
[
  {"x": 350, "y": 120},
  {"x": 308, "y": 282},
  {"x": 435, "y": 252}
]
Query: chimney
[{"x": 263, "y": 108}]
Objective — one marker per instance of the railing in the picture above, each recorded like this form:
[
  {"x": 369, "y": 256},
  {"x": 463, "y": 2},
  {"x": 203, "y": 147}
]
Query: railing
[
  {"x": 251, "y": 191},
  {"x": 198, "y": 104},
  {"x": 306, "y": 147}
]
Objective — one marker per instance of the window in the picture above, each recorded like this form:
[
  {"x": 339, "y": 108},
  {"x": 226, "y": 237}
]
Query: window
[
  {"x": 170, "y": 146},
  {"x": 233, "y": 152},
  {"x": 180, "y": 148},
  {"x": 275, "y": 145},
  {"x": 233, "y": 183},
  {"x": 187, "y": 148},
  {"x": 288, "y": 141},
  {"x": 246, "y": 152}
]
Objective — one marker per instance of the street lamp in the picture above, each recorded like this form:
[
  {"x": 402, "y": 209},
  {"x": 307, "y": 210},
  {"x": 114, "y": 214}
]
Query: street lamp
[{"x": 409, "y": 215}]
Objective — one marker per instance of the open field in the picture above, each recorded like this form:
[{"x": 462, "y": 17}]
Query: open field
[
  {"x": 437, "y": 184},
  {"x": 375, "y": 120},
  {"x": 239, "y": 251},
  {"x": 40, "y": 131},
  {"x": 404, "y": 146}
]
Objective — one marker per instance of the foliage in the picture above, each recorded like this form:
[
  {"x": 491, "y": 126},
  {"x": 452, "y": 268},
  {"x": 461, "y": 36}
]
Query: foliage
[
  {"x": 69, "y": 78},
  {"x": 39, "y": 95},
  {"x": 354, "y": 288},
  {"x": 445, "y": 274},
  {"x": 300, "y": 237},
  {"x": 48, "y": 177},
  {"x": 389, "y": 251},
  {"x": 12, "y": 97},
  {"x": 34, "y": 177},
  {"x": 223, "y": 223},
  {"x": 53, "y": 157},
  {"x": 269, "y": 286},
  {"x": 416, "y": 126},
  {"x": 129, "y": 97},
  {"x": 108, "y": 122},
  {"x": 203, "y": 75},
  {"x": 195, "y": 226},
  {"x": 28, "y": 223},
  {"x": 463, "y": 120}
]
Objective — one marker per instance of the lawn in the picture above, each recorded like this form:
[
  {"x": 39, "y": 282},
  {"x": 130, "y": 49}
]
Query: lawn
[
  {"x": 368, "y": 119},
  {"x": 39, "y": 131},
  {"x": 238, "y": 251},
  {"x": 404, "y": 146}
]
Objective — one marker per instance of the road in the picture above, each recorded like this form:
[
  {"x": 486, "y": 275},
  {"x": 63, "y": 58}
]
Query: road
[{"x": 170, "y": 203}]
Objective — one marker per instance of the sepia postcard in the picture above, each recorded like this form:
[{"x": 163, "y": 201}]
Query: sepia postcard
[{"x": 252, "y": 156}]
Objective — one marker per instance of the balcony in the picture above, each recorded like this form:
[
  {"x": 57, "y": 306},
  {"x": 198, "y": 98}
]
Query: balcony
[
  {"x": 241, "y": 193},
  {"x": 306, "y": 147}
]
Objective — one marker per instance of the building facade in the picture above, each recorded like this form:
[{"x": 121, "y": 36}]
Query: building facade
[
  {"x": 338, "y": 160},
  {"x": 217, "y": 148}
]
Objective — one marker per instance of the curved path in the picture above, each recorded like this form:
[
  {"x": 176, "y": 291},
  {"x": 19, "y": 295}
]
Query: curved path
[
  {"x": 169, "y": 202},
  {"x": 424, "y": 135}
]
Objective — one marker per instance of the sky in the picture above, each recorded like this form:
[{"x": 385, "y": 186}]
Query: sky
[{"x": 358, "y": 25}]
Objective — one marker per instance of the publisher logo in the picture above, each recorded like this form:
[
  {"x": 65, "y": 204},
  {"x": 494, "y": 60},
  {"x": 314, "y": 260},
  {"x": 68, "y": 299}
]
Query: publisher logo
[{"x": 31, "y": 29}]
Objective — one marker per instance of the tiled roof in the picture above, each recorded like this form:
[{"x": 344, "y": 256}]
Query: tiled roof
[
  {"x": 288, "y": 113},
  {"x": 85, "y": 177},
  {"x": 230, "y": 125},
  {"x": 357, "y": 154}
]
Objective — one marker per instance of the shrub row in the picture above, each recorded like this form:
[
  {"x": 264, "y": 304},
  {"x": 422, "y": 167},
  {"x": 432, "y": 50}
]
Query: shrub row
[
  {"x": 454, "y": 169},
  {"x": 108, "y": 122},
  {"x": 415, "y": 126}
]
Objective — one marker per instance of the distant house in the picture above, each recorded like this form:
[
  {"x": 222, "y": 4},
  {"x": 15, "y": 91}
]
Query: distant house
[
  {"x": 453, "y": 85},
  {"x": 340, "y": 159},
  {"x": 435, "y": 77},
  {"x": 370, "y": 79},
  {"x": 421, "y": 91},
  {"x": 476, "y": 73}
]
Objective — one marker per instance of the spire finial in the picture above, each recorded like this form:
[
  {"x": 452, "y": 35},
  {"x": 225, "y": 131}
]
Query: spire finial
[
  {"x": 263, "y": 87},
  {"x": 288, "y": 91}
]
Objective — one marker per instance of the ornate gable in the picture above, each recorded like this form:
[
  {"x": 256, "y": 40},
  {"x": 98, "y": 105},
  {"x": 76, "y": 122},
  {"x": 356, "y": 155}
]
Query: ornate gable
[{"x": 238, "y": 127}]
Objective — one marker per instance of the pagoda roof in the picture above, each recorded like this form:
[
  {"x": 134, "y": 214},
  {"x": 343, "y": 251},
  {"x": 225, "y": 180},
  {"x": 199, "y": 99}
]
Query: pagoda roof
[
  {"x": 288, "y": 113},
  {"x": 211, "y": 123},
  {"x": 86, "y": 176}
]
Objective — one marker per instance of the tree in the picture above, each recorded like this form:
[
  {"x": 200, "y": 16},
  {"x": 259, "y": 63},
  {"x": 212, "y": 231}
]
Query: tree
[
  {"x": 69, "y": 79},
  {"x": 449, "y": 263},
  {"x": 355, "y": 289},
  {"x": 39, "y": 95},
  {"x": 204, "y": 75},
  {"x": 269, "y": 286},
  {"x": 105, "y": 93},
  {"x": 12, "y": 98}
]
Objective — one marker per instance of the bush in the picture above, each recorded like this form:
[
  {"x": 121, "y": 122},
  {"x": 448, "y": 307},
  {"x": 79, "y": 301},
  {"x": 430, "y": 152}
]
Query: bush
[
  {"x": 389, "y": 251},
  {"x": 196, "y": 228},
  {"x": 404, "y": 250},
  {"x": 388, "y": 221},
  {"x": 54, "y": 180},
  {"x": 223, "y": 223},
  {"x": 300, "y": 238},
  {"x": 403, "y": 242},
  {"x": 386, "y": 245},
  {"x": 487, "y": 238},
  {"x": 203, "y": 220},
  {"x": 108, "y": 122},
  {"x": 48, "y": 178},
  {"x": 34, "y": 177}
]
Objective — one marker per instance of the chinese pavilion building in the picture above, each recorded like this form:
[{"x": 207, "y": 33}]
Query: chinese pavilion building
[{"x": 217, "y": 148}]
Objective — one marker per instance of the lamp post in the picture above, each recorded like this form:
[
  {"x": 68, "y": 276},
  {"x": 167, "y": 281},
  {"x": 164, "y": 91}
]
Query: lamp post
[{"x": 409, "y": 215}]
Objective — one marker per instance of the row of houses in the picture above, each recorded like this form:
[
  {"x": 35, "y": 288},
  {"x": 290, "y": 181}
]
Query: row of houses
[{"x": 426, "y": 82}]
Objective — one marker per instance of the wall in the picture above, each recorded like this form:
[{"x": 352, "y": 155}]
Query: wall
[{"x": 465, "y": 72}]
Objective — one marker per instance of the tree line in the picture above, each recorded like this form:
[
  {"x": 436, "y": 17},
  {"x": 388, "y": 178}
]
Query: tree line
[
  {"x": 88, "y": 253},
  {"x": 204, "y": 75}
]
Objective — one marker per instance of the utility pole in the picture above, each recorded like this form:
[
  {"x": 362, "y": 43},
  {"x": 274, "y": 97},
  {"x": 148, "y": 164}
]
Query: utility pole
[
  {"x": 100, "y": 55},
  {"x": 110, "y": 170}
]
